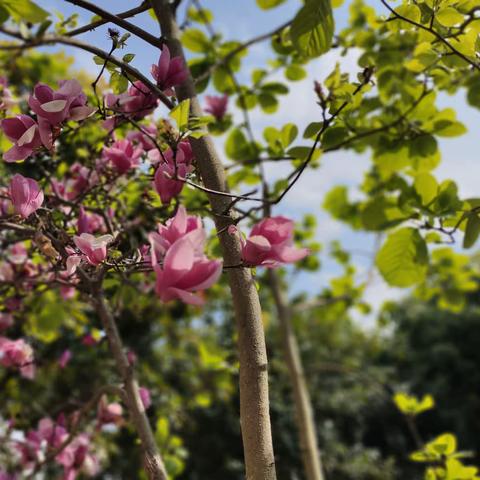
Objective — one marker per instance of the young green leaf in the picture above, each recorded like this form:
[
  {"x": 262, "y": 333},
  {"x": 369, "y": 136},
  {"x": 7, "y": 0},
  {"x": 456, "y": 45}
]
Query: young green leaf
[
  {"x": 403, "y": 258},
  {"x": 312, "y": 28}
]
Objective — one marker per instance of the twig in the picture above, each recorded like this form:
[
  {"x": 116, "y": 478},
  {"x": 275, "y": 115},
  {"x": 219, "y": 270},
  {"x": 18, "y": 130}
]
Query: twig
[{"x": 91, "y": 26}]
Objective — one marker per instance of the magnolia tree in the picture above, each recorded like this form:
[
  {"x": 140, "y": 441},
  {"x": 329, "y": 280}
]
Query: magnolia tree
[{"x": 108, "y": 187}]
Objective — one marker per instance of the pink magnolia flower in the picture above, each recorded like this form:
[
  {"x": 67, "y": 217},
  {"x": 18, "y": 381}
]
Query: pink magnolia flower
[
  {"x": 184, "y": 271},
  {"x": 65, "y": 358},
  {"x": 166, "y": 183},
  {"x": 24, "y": 133},
  {"x": 54, "y": 107},
  {"x": 7, "y": 476},
  {"x": 18, "y": 254},
  {"x": 18, "y": 354},
  {"x": 123, "y": 155},
  {"x": 169, "y": 72},
  {"x": 94, "y": 249},
  {"x": 174, "y": 229},
  {"x": 79, "y": 179},
  {"x": 217, "y": 106},
  {"x": 26, "y": 195},
  {"x": 172, "y": 168},
  {"x": 142, "y": 139},
  {"x": 145, "y": 397},
  {"x": 89, "y": 222},
  {"x": 6, "y": 97},
  {"x": 88, "y": 340},
  {"x": 76, "y": 458},
  {"x": 109, "y": 412},
  {"x": 184, "y": 155},
  {"x": 271, "y": 243},
  {"x": 137, "y": 102},
  {"x": 6, "y": 320}
]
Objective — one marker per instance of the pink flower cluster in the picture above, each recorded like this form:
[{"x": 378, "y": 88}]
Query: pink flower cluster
[
  {"x": 170, "y": 167},
  {"x": 137, "y": 102},
  {"x": 76, "y": 458},
  {"x": 78, "y": 179},
  {"x": 17, "y": 354},
  {"x": 178, "y": 259},
  {"x": 270, "y": 244},
  {"x": 52, "y": 108}
]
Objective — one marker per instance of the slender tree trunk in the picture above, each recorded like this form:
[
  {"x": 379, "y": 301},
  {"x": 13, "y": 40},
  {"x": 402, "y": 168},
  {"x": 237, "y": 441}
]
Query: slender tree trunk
[
  {"x": 303, "y": 406},
  {"x": 152, "y": 460},
  {"x": 254, "y": 403}
]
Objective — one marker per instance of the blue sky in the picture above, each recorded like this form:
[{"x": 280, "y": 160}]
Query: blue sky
[{"x": 241, "y": 20}]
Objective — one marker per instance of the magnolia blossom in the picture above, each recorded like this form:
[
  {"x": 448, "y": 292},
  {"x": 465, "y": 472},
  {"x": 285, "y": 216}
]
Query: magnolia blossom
[
  {"x": 109, "y": 412},
  {"x": 144, "y": 138},
  {"x": 93, "y": 249},
  {"x": 6, "y": 320},
  {"x": 271, "y": 243},
  {"x": 17, "y": 354},
  {"x": 24, "y": 133},
  {"x": 123, "y": 155},
  {"x": 183, "y": 154},
  {"x": 54, "y": 107},
  {"x": 137, "y": 102},
  {"x": 76, "y": 458},
  {"x": 145, "y": 397},
  {"x": 89, "y": 222},
  {"x": 88, "y": 340},
  {"x": 172, "y": 169},
  {"x": 169, "y": 72},
  {"x": 6, "y": 97},
  {"x": 65, "y": 357},
  {"x": 184, "y": 271},
  {"x": 217, "y": 106},
  {"x": 26, "y": 195},
  {"x": 78, "y": 180},
  {"x": 174, "y": 229}
]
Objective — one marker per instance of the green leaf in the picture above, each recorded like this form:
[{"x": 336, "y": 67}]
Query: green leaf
[
  {"x": 195, "y": 40},
  {"x": 268, "y": 103},
  {"x": 403, "y": 258},
  {"x": 295, "y": 73},
  {"x": 426, "y": 186},
  {"x": 472, "y": 230},
  {"x": 201, "y": 16},
  {"x": 237, "y": 146},
  {"x": 4, "y": 14},
  {"x": 25, "y": 11},
  {"x": 266, "y": 4},
  {"x": 128, "y": 57},
  {"x": 118, "y": 82},
  {"x": 312, "y": 28},
  {"x": 449, "y": 17},
  {"x": 312, "y": 129},
  {"x": 181, "y": 114},
  {"x": 289, "y": 134}
]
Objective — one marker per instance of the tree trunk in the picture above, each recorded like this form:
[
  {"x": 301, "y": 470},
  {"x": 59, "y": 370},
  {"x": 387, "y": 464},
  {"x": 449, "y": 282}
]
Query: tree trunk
[
  {"x": 254, "y": 403},
  {"x": 303, "y": 407}
]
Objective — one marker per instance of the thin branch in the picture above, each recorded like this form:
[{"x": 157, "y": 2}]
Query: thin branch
[
  {"x": 52, "y": 40},
  {"x": 130, "y": 27},
  {"x": 154, "y": 465},
  {"x": 433, "y": 32},
  {"x": 224, "y": 60},
  {"x": 91, "y": 26}
]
